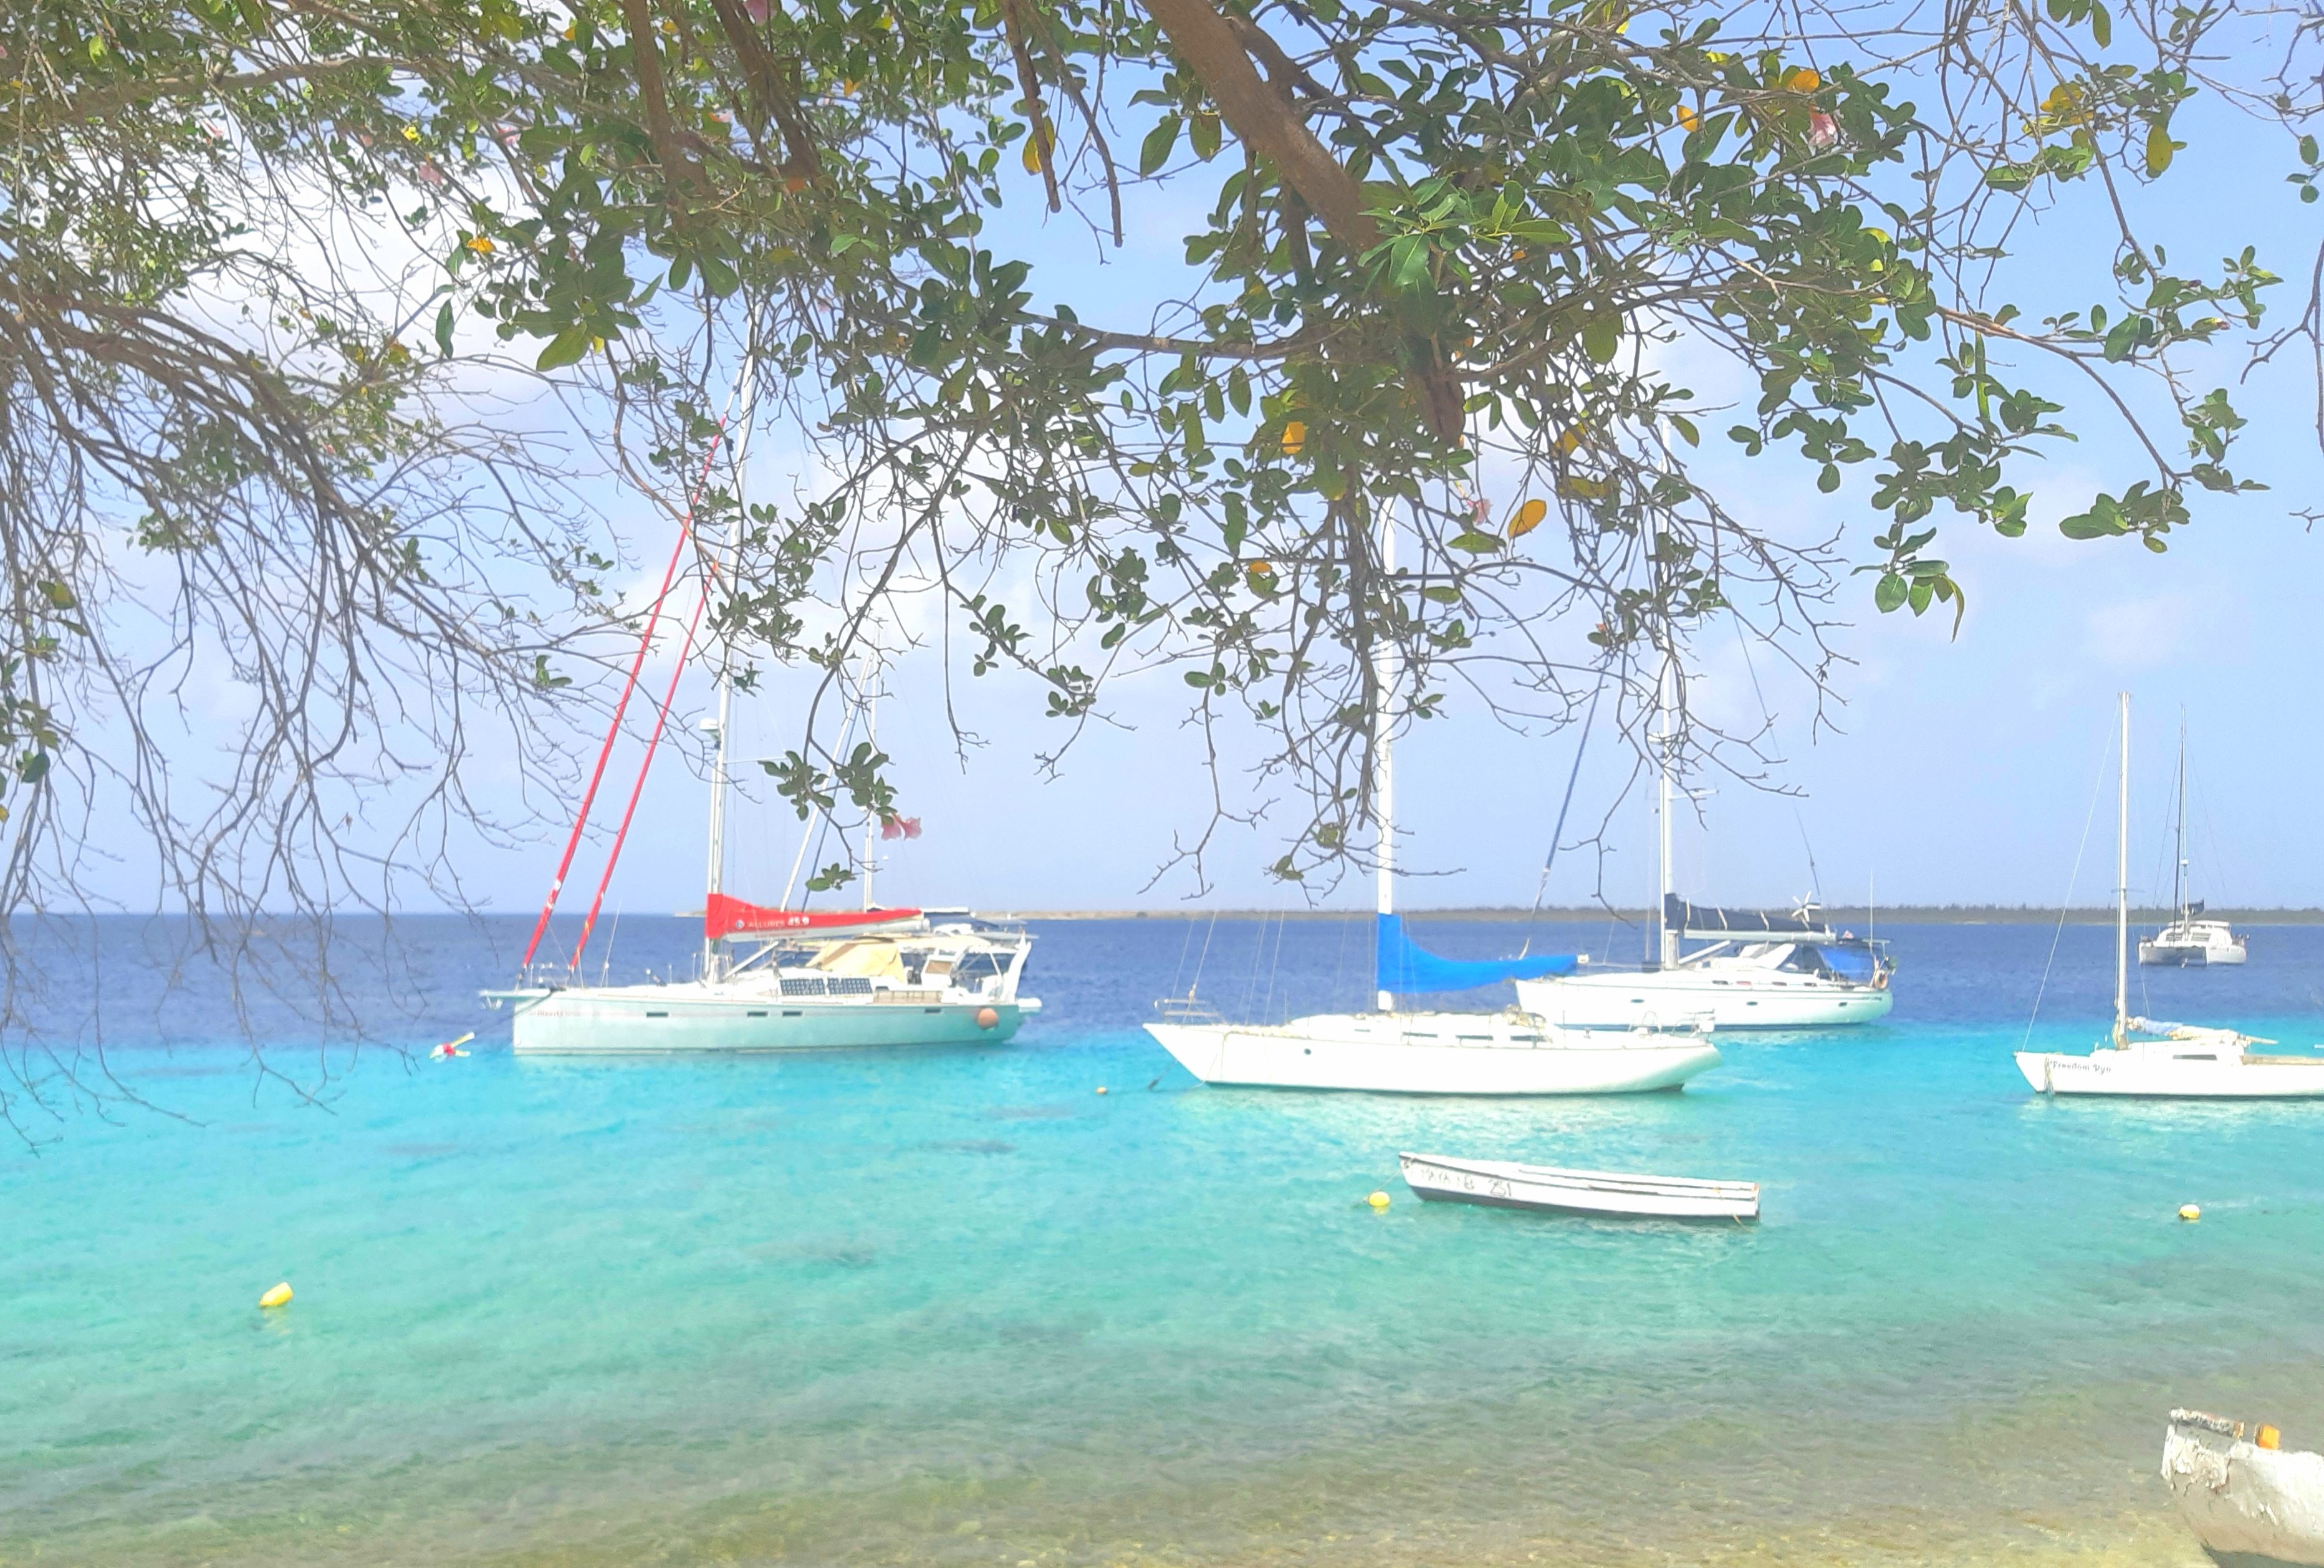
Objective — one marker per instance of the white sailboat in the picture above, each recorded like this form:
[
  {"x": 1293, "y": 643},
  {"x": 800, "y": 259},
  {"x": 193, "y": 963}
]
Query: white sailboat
[
  {"x": 2189, "y": 942},
  {"x": 1388, "y": 1051},
  {"x": 785, "y": 979},
  {"x": 2144, "y": 1057},
  {"x": 1757, "y": 971}
]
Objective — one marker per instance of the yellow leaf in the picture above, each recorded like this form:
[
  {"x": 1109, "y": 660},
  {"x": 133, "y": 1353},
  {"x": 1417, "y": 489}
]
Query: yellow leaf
[
  {"x": 1802, "y": 79},
  {"x": 1035, "y": 146},
  {"x": 410, "y": 133},
  {"x": 1687, "y": 118},
  {"x": 1261, "y": 568},
  {"x": 1568, "y": 440},
  {"x": 480, "y": 245},
  {"x": 1528, "y": 517},
  {"x": 1294, "y": 435},
  {"x": 2158, "y": 149}
]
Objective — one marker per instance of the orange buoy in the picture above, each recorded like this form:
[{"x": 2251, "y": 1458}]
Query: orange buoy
[
  {"x": 987, "y": 1018},
  {"x": 2267, "y": 1437}
]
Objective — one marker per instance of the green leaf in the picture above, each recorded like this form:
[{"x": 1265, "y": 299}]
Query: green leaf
[
  {"x": 567, "y": 347},
  {"x": 2101, "y": 521},
  {"x": 1203, "y": 136},
  {"x": 1890, "y": 592},
  {"x": 1159, "y": 144},
  {"x": 1477, "y": 543},
  {"x": 1601, "y": 337},
  {"x": 444, "y": 329}
]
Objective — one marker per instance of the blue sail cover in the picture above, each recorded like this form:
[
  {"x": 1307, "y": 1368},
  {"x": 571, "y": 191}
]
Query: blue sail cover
[
  {"x": 1852, "y": 960},
  {"x": 1406, "y": 969}
]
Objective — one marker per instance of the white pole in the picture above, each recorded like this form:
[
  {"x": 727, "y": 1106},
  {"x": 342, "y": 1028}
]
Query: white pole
[
  {"x": 871, "y": 733},
  {"x": 1384, "y": 676},
  {"x": 716, "y": 880},
  {"x": 2122, "y": 884},
  {"x": 1666, "y": 952}
]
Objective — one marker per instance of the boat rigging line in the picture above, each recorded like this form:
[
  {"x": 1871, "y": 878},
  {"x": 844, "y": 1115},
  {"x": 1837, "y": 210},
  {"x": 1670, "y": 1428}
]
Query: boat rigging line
[
  {"x": 630, "y": 684},
  {"x": 2079, "y": 850},
  {"x": 1541, "y": 890}
]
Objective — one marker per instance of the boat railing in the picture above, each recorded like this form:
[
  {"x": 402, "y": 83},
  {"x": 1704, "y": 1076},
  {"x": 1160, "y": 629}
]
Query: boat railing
[{"x": 1187, "y": 1010}]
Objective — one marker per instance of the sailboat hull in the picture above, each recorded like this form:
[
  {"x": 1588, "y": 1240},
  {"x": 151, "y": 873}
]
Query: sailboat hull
[
  {"x": 2149, "y": 1073},
  {"x": 1432, "y": 1053},
  {"x": 1677, "y": 997},
  {"x": 657, "y": 1019}
]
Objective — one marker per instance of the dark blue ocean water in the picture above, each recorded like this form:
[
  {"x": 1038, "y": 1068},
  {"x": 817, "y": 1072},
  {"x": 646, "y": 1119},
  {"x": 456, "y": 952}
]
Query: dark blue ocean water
[{"x": 957, "y": 1307}]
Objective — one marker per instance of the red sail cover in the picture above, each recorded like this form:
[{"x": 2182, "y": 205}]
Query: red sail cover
[{"x": 726, "y": 916}]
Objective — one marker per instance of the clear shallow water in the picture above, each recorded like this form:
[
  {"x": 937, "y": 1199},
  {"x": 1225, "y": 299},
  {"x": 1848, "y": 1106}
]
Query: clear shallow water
[{"x": 955, "y": 1307}]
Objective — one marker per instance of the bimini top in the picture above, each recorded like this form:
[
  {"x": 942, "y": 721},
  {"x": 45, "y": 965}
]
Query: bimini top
[
  {"x": 726, "y": 916},
  {"x": 1406, "y": 969},
  {"x": 1681, "y": 916}
]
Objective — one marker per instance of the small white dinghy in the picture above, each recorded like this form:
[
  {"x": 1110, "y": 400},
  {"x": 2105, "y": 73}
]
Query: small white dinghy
[
  {"x": 2251, "y": 1503},
  {"x": 1508, "y": 1184}
]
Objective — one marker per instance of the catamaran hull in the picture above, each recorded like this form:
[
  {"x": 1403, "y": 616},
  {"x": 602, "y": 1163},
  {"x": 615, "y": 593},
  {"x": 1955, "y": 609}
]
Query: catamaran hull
[
  {"x": 2251, "y": 1506},
  {"x": 1383, "y": 1059},
  {"x": 1616, "y": 999},
  {"x": 2140, "y": 1076},
  {"x": 579, "y": 1023},
  {"x": 2188, "y": 956}
]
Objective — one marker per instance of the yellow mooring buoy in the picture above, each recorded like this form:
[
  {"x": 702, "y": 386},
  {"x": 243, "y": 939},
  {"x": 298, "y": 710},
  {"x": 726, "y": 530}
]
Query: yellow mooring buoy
[
  {"x": 278, "y": 1296},
  {"x": 2190, "y": 1212},
  {"x": 1378, "y": 1199}
]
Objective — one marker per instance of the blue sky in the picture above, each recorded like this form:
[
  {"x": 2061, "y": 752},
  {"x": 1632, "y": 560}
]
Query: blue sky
[{"x": 1962, "y": 769}]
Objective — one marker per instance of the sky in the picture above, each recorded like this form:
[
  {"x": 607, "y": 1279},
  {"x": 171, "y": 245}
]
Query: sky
[{"x": 1957, "y": 770}]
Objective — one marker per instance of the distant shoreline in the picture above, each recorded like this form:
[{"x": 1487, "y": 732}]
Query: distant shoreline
[{"x": 1836, "y": 914}]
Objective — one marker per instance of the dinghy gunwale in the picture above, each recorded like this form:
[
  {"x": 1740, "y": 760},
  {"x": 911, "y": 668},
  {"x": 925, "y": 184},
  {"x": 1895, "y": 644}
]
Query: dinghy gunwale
[{"x": 1564, "y": 1190}]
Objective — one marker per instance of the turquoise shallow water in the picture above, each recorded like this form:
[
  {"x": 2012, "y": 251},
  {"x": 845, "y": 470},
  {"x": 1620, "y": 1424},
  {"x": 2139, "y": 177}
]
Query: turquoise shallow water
[{"x": 957, "y": 1307}]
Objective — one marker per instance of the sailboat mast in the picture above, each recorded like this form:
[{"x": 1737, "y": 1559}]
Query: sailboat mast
[
  {"x": 1667, "y": 953},
  {"x": 714, "y": 880},
  {"x": 2122, "y": 882},
  {"x": 1384, "y": 674},
  {"x": 872, "y": 735},
  {"x": 2179, "y": 838}
]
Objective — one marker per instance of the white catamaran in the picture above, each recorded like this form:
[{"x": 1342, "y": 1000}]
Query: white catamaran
[
  {"x": 2143, "y": 1057},
  {"x": 2189, "y": 942},
  {"x": 1425, "y": 1052},
  {"x": 1759, "y": 970}
]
